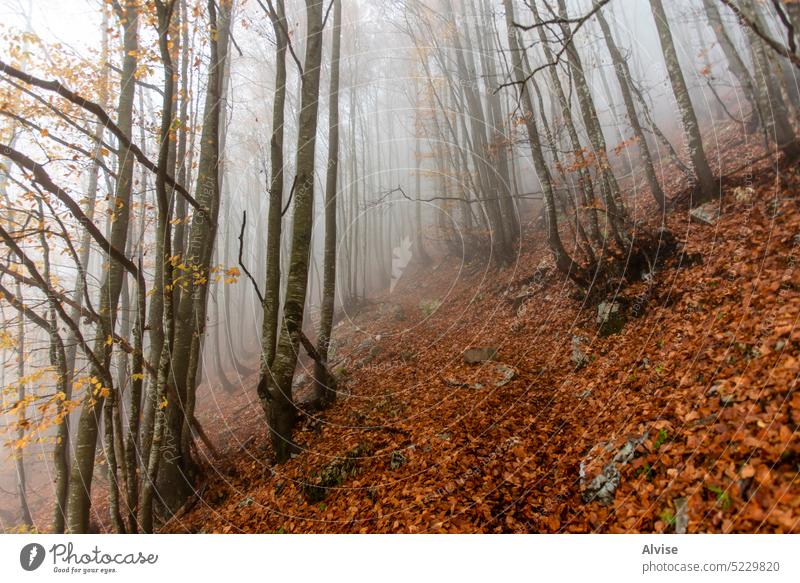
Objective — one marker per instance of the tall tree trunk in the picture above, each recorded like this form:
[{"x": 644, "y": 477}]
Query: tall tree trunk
[
  {"x": 502, "y": 247},
  {"x": 324, "y": 384},
  {"x": 706, "y": 186},
  {"x": 585, "y": 178},
  {"x": 173, "y": 483},
  {"x": 623, "y": 79},
  {"x": 615, "y": 208},
  {"x": 564, "y": 262},
  {"x": 498, "y": 147},
  {"x": 281, "y": 407},
  {"x": 271, "y": 304},
  {"x": 164, "y": 271},
  {"x": 19, "y": 458},
  {"x": 776, "y": 117},
  {"x": 86, "y": 439},
  {"x": 734, "y": 62}
]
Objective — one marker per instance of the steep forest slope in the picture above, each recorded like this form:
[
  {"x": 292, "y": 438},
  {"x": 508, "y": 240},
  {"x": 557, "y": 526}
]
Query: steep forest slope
[{"x": 686, "y": 419}]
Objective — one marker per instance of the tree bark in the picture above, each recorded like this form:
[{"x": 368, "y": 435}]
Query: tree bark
[
  {"x": 86, "y": 440},
  {"x": 706, "y": 185},
  {"x": 281, "y": 416},
  {"x": 174, "y": 483},
  {"x": 271, "y": 303},
  {"x": 324, "y": 383},
  {"x": 564, "y": 262},
  {"x": 623, "y": 79}
]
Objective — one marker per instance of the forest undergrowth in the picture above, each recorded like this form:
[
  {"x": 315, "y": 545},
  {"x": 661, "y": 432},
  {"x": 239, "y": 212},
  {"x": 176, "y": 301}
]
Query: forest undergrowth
[{"x": 681, "y": 418}]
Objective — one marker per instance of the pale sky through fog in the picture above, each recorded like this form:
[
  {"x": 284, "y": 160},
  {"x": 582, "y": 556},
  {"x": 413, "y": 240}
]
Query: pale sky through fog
[{"x": 74, "y": 23}]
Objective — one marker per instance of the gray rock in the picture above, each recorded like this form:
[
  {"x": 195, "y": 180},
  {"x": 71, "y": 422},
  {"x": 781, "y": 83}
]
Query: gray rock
[
  {"x": 579, "y": 357},
  {"x": 479, "y": 354},
  {"x": 628, "y": 451},
  {"x": 706, "y": 214},
  {"x": 603, "y": 486},
  {"x": 508, "y": 375},
  {"x": 714, "y": 390},
  {"x": 520, "y": 299},
  {"x": 681, "y": 515},
  {"x": 610, "y": 318}
]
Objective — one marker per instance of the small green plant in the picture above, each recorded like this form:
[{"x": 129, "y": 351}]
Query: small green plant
[
  {"x": 659, "y": 368},
  {"x": 428, "y": 307},
  {"x": 322, "y": 482},
  {"x": 646, "y": 471},
  {"x": 723, "y": 499},
  {"x": 667, "y": 517},
  {"x": 661, "y": 439}
]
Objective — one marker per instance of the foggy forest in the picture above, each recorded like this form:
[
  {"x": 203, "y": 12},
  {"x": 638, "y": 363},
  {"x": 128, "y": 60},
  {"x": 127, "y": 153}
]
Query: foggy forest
[{"x": 399, "y": 266}]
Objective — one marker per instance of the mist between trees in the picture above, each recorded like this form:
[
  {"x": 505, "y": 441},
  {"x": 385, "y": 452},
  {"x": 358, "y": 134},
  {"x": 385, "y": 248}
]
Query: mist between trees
[{"x": 195, "y": 193}]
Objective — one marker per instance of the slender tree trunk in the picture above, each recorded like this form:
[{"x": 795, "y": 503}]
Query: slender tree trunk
[
  {"x": 499, "y": 142},
  {"x": 164, "y": 269},
  {"x": 623, "y": 79},
  {"x": 615, "y": 208},
  {"x": 587, "y": 186},
  {"x": 734, "y": 62},
  {"x": 271, "y": 304},
  {"x": 86, "y": 440},
  {"x": 706, "y": 185},
  {"x": 19, "y": 458},
  {"x": 502, "y": 247},
  {"x": 324, "y": 384},
  {"x": 776, "y": 117},
  {"x": 563, "y": 261},
  {"x": 281, "y": 407},
  {"x": 173, "y": 483}
]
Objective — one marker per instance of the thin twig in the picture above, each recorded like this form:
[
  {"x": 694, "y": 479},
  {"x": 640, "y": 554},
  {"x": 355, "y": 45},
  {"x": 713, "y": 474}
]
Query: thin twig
[
  {"x": 241, "y": 261},
  {"x": 273, "y": 15}
]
